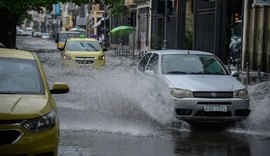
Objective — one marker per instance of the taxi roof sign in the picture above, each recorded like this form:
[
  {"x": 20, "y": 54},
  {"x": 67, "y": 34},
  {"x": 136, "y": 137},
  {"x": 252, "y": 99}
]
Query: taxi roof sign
[{"x": 82, "y": 36}]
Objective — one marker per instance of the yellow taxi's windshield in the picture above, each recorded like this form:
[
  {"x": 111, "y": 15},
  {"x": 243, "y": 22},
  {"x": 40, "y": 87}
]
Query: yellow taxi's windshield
[
  {"x": 83, "y": 46},
  {"x": 18, "y": 76}
]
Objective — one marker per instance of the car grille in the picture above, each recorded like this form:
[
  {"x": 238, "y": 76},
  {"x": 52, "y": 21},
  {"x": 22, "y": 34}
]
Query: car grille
[
  {"x": 214, "y": 103},
  {"x": 220, "y": 114},
  {"x": 84, "y": 60},
  {"x": 183, "y": 111},
  {"x": 213, "y": 94},
  {"x": 9, "y": 136},
  {"x": 10, "y": 122}
]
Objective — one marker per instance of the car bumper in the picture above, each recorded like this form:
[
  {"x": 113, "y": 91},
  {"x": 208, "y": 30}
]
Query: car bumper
[
  {"x": 96, "y": 64},
  {"x": 38, "y": 143},
  {"x": 190, "y": 109}
]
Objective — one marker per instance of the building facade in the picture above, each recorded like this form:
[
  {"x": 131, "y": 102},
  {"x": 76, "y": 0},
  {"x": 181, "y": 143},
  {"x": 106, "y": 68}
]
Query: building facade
[
  {"x": 96, "y": 22},
  {"x": 215, "y": 24},
  {"x": 256, "y": 35}
]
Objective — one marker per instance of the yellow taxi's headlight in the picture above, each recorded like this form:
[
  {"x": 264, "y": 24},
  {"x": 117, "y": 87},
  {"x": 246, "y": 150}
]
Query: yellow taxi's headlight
[
  {"x": 42, "y": 123},
  {"x": 67, "y": 58},
  {"x": 243, "y": 93},
  {"x": 101, "y": 57},
  {"x": 180, "y": 93}
]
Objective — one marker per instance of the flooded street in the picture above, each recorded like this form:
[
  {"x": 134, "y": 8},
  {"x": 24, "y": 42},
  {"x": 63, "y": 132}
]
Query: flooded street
[{"x": 110, "y": 113}]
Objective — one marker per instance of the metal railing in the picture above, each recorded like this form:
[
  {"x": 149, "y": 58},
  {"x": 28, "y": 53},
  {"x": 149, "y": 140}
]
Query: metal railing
[
  {"x": 125, "y": 52},
  {"x": 248, "y": 76}
]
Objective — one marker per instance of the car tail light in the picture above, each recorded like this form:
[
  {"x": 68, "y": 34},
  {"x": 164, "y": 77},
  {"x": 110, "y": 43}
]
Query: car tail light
[{"x": 101, "y": 57}]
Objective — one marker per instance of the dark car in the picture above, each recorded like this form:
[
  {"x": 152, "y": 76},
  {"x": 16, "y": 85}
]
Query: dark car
[{"x": 2, "y": 45}]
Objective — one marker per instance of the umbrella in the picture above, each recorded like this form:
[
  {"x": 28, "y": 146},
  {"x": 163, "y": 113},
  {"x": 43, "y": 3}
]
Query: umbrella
[
  {"x": 121, "y": 31},
  {"x": 94, "y": 36}
]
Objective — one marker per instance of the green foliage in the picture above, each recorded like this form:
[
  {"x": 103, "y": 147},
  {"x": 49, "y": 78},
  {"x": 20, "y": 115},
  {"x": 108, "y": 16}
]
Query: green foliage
[{"x": 19, "y": 7}]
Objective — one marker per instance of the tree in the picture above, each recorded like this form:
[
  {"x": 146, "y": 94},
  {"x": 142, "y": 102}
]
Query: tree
[{"x": 12, "y": 10}]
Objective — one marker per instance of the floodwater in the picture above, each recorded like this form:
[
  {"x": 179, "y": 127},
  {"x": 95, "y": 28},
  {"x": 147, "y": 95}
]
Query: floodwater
[{"x": 109, "y": 112}]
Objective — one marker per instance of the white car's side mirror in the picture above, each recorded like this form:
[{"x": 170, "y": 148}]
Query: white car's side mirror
[{"x": 235, "y": 73}]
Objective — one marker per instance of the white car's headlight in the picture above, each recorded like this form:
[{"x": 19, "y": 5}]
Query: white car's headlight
[
  {"x": 243, "y": 93},
  {"x": 180, "y": 93},
  {"x": 42, "y": 123}
]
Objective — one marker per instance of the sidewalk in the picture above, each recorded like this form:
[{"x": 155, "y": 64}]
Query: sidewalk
[{"x": 254, "y": 76}]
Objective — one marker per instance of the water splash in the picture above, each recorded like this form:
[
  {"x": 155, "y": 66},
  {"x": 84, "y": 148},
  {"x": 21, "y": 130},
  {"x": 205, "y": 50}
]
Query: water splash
[
  {"x": 110, "y": 100},
  {"x": 258, "y": 121}
]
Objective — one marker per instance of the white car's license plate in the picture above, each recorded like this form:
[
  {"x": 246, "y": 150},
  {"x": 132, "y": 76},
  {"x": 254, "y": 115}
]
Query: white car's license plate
[{"x": 215, "y": 108}]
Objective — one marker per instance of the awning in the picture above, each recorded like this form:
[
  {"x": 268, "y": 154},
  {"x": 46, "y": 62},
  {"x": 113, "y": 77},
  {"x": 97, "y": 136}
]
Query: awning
[
  {"x": 99, "y": 22},
  {"x": 77, "y": 29}
]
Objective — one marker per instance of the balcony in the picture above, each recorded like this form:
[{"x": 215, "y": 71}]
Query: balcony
[
  {"x": 140, "y": 1},
  {"x": 135, "y": 2}
]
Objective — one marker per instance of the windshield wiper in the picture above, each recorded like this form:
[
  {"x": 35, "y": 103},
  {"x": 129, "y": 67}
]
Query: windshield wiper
[
  {"x": 82, "y": 44},
  {"x": 214, "y": 73},
  {"x": 182, "y": 72},
  {"x": 8, "y": 92},
  {"x": 92, "y": 46},
  {"x": 176, "y": 72}
]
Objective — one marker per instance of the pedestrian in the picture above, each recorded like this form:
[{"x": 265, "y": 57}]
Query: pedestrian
[{"x": 101, "y": 38}]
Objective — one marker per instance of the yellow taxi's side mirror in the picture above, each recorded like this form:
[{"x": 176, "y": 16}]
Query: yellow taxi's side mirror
[{"x": 59, "y": 88}]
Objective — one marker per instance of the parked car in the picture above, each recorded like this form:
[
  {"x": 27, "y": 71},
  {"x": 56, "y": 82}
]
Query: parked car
[
  {"x": 21, "y": 32},
  {"x": 83, "y": 52},
  {"x": 45, "y": 36},
  {"x": 2, "y": 45},
  {"x": 37, "y": 34},
  {"x": 29, "y": 124},
  {"x": 29, "y": 31},
  {"x": 200, "y": 86}
]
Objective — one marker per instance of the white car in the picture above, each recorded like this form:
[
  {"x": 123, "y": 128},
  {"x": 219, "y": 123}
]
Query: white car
[
  {"x": 21, "y": 32},
  {"x": 45, "y": 36},
  {"x": 200, "y": 86}
]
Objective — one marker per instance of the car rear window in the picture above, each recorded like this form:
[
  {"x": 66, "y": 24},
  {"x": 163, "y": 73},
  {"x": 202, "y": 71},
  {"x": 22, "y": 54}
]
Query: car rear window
[{"x": 19, "y": 76}]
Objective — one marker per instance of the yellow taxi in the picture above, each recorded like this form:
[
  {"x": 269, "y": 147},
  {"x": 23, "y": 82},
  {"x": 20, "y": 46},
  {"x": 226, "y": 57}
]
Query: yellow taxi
[
  {"x": 83, "y": 52},
  {"x": 62, "y": 36},
  {"x": 29, "y": 123}
]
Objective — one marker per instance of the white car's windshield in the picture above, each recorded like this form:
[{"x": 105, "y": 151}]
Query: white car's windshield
[
  {"x": 18, "y": 76},
  {"x": 83, "y": 46},
  {"x": 191, "y": 64}
]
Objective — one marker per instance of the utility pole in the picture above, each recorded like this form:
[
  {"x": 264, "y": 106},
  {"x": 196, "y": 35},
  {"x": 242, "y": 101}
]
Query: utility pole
[
  {"x": 104, "y": 26},
  {"x": 57, "y": 13},
  {"x": 165, "y": 42}
]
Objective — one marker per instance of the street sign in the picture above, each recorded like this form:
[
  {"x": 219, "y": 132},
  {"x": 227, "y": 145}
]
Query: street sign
[
  {"x": 262, "y": 2},
  {"x": 57, "y": 10}
]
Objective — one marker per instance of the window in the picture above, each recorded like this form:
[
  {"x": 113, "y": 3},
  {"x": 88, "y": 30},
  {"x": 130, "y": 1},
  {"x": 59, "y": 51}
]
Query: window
[
  {"x": 191, "y": 64},
  {"x": 20, "y": 76},
  {"x": 153, "y": 63},
  {"x": 212, "y": 66},
  {"x": 144, "y": 62},
  {"x": 83, "y": 46}
]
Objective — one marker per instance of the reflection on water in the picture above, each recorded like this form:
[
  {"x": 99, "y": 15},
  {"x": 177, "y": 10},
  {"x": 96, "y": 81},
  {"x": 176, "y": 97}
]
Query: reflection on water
[{"x": 211, "y": 143}]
